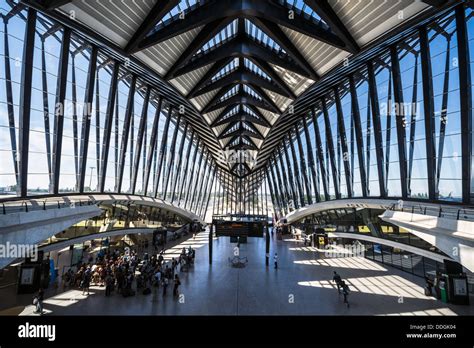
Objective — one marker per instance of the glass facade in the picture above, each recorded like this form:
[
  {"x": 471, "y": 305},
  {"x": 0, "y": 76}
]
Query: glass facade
[
  {"x": 110, "y": 132},
  {"x": 392, "y": 128},
  {"x": 396, "y": 126}
]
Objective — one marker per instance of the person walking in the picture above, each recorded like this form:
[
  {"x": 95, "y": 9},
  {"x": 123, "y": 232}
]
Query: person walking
[
  {"x": 275, "y": 259},
  {"x": 337, "y": 279},
  {"x": 38, "y": 301},
  {"x": 177, "y": 283},
  {"x": 86, "y": 281},
  {"x": 109, "y": 283},
  {"x": 165, "y": 285},
  {"x": 345, "y": 292}
]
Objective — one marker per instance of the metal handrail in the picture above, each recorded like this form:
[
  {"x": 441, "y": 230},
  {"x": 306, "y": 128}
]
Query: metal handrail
[
  {"x": 457, "y": 213},
  {"x": 27, "y": 206}
]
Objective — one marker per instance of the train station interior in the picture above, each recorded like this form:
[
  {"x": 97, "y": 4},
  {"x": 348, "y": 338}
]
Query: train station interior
[{"x": 236, "y": 158}]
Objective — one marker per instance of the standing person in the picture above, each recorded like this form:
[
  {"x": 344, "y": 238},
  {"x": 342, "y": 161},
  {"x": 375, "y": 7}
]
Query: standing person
[
  {"x": 275, "y": 259},
  {"x": 109, "y": 283},
  {"x": 39, "y": 301},
  {"x": 86, "y": 280},
  {"x": 158, "y": 277},
  {"x": 338, "y": 280},
  {"x": 165, "y": 285},
  {"x": 345, "y": 292},
  {"x": 177, "y": 283}
]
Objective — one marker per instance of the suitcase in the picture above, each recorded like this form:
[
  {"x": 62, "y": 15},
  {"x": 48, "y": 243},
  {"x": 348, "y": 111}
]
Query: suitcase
[{"x": 128, "y": 293}]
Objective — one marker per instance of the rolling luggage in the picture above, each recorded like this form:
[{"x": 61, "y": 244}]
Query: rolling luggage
[{"x": 128, "y": 292}]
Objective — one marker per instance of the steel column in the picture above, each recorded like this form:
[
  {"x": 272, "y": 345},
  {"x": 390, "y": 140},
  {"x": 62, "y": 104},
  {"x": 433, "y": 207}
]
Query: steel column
[
  {"x": 374, "y": 100},
  {"x": 358, "y": 134},
  {"x": 25, "y": 101},
  {"x": 466, "y": 105},
  {"x": 428, "y": 103},
  {"x": 109, "y": 115},
  {"x": 140, "y": 137},
  {"x": 153, "y": 144},
  {"x": 126, "y": 130},
  {"x": 343, "y": 138}
]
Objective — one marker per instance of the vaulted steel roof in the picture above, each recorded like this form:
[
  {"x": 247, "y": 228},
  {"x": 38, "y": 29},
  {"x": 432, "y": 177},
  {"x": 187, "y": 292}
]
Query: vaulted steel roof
[{"x": 243, "y": 63}]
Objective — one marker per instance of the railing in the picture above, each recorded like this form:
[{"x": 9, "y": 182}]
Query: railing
[
  {"x": 466, "y": 214},
  {"x": 78, "y": 232},
  {"x": 27, "y": 206}
]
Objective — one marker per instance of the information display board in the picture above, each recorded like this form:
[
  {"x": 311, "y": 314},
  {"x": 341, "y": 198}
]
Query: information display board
[{"x": 239, "y": 228}]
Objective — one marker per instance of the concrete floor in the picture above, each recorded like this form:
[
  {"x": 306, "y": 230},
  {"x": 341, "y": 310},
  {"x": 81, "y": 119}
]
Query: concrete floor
[{"x": 301, "y": 286}]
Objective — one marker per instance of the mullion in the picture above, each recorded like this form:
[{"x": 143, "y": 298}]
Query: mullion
[
  {"x": 196, "y": 181},
  {"x": 47, "y": 131},
  {"x": 25, "y": 101},
  {"x": 304, "y": 169},
  {"x": 290, "y": 177},
  {"x": 185, "y": 171},
  {"x": 10, "y": 107},
  {"x": 161, "y": 154},
  {"x": 466, "y": 104},
  {"x": 358, "y": 134},
  {"x": 309, "y": 150},
  {"x": 296, "y": 169},
  {"x": 153, "y": 144},
  {"x": 172, "y": 154},
  {"x": 374, "y": 100},
  {"x": 140, "y": 137},
  {"x": 126, "y": 131},
  {"x": 86, "y": 118},
  {"x": 400, "y": 119},
  {"x": 343, "y": 139},
  {"x": 319, "y": 150},
  {"x": 330, "y": 149},
  {"x": 180, "y": 161},
  {"x": 190, "y": 175},
  {"x": 428, "y": 102},
  {"x": 109, "y": 113}
]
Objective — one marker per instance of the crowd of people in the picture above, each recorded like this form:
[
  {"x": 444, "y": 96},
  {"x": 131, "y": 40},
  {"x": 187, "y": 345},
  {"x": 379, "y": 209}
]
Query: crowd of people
[{"x": 126, "y": 273}]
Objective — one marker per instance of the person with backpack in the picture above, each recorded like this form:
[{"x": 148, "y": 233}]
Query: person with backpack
[
  {"x": 337, "y": 279},
  {"x": 177, "y": 283}
]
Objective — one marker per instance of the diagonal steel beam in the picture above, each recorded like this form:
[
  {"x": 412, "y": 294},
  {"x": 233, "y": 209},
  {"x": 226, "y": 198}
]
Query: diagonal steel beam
[
  {"x": 243, "y": 8},
  {"x": 206, "y": 34},
  {"x": 245, "y": 47},
  {"x": 245, "y": 76},
  {"x": 245, "y": 117},
  {"x": 216, "y": 67},
  {"x": 274, "y": 31},
  {"x": 239, "y": 98},
  {"x": 157, "y": 12},
  {"x": 328, "y": 15}
]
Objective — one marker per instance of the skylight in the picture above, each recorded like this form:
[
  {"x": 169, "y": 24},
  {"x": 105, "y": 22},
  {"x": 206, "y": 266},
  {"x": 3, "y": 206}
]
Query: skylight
[
  {"x": 251, "y": 91},
  {"x": 249, "y": 111},
  {"x": 184, "y": 6},
  {"x": 257, "y": 34},
  {"x": 254, "y": 68},
  {"x": 232, "y": 112},
  {"x": 230, "y": 93},
  {"x": 234, "y": 64},
  {"x": 225, "y": 34},
  {"x": 300, "y": 7}
]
